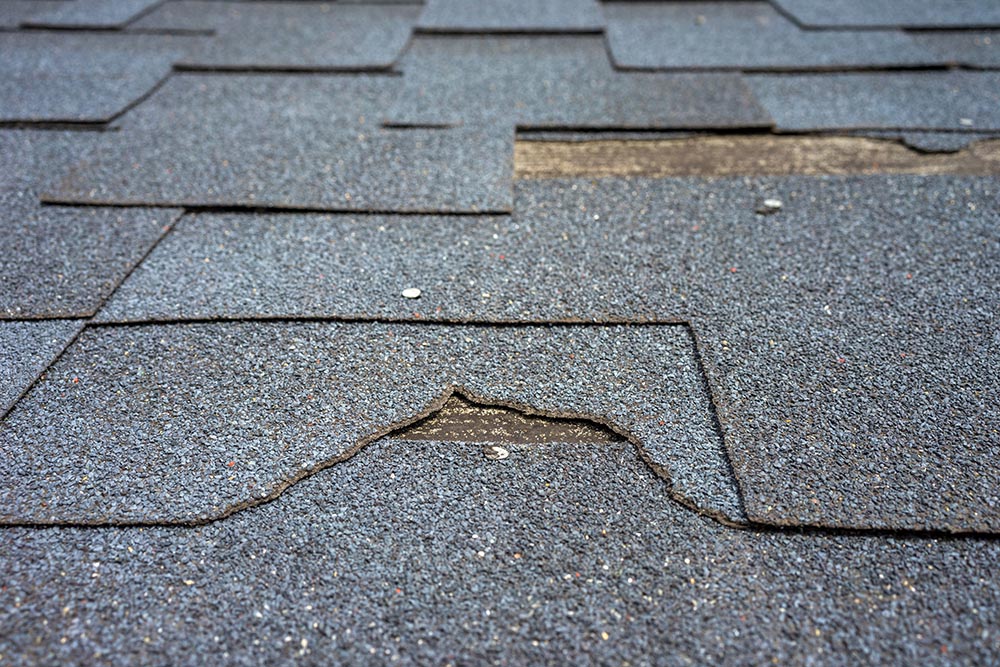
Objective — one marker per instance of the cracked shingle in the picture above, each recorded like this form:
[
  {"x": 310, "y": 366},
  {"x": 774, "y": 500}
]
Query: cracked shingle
[{"x": 174, "y": 405}]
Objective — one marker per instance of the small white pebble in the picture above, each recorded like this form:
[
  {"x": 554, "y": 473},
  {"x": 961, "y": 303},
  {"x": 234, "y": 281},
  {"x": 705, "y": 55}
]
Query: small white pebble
[
  {"x": 495, "y": 453},
  {"x": 411, "y": 293}
]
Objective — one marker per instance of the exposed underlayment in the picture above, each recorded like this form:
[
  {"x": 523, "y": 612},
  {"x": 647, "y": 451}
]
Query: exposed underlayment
[
  {"x": 463, "y": 420},
  {"x": 745, "y": 155}
]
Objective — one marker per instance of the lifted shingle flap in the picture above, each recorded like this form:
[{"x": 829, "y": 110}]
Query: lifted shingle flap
[
  {"x": 878, "y": 287},
  {"x": 429, "y": 551},
  {"x": 511, "y": 16},
  {"x": 893, "y": 13},
  {"x": 74, "y": 78},
  {"x": 745, "y": 36},
  {"x": 26, "y": 348},
  {"x": 288, "y": 35},
  {"x": 956, "y": 100},
  {"x": 86, "y": 14},
  {"x": 559, "y": 82},
  {"x": 219, "y": 417}
]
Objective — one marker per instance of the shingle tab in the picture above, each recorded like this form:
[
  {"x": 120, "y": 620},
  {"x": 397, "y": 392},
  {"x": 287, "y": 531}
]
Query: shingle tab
[
  {"x": 288, "y": 35},
  {"x": 175, "y": 404},
  {"x": 972, "y": 49},
  {"x": 893, "y": 13},
  {"x": 956, "y": 100},
  {"x": 58, "y": 77},
  {"x": 511, "y": 16},
  {"x": 564, "y": 82},
  {"x": 26, "y": 349},
  {"x": 13, "y": 12},
  {"x": 745, "y": 36},
  {"x": 100, "y": 14}
]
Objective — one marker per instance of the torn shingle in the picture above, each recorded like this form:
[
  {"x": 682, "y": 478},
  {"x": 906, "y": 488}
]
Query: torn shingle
[
  {"x": 188, "y": 407},
  {"x": 431, "y": 552},
  {"x": 288, "y": 35},
  {"x": 92, "y": 14},
  {"x": 511, "y": 16},
  {"x": 745, "y": 36},
  {"x": 60, "y": 77},
  {"x": 905, "y": 264},
  {"x": 559, "y": 82},
  {"x": 893, "y": 13},
  {"x": 26, "y": 348},
  {"x": 956, "y": 100}
]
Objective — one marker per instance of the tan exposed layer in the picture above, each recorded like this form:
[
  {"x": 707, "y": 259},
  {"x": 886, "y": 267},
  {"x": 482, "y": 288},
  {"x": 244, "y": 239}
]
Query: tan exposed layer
[
  {"x": 746, "y": 155},
  {"x": 460, "y": 420}
]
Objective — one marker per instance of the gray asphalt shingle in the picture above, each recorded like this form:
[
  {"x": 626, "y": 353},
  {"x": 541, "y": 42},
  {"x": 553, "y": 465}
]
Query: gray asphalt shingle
[
  {"x": 956, "y": 100},
  {"x": 893, "y": 13},
  {"x": 64, "y": 262},
  {"x": 99, "y": 14},
  {"x": 215, "y": 417},
  {"x": 79, "y": 77},
  {"x": 563, "y": 82},
  {"x": 511, "y": 16},
  {"x": 745, "y": 36},
  {"x": 288, "y": 35},
  {"x": 427, "y": 553},
  {"x": 26, "y": 349},
  {"x": 864, "y": 269},
  {"x": 972, "y": 49},
  {"x": 13, "y": 12}
]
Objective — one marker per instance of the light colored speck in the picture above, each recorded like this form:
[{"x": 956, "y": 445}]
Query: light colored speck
[
  {"x": 495, "y": 453},
  {"x": 411, "y": 293}
]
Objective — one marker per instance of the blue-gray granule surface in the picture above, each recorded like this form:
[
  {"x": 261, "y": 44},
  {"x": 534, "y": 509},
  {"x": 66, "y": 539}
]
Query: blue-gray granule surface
[
  {"x": 102, "y": 14},
  {"x": 972, "y": 49},
  {"x": 429, "y": 553},
  {"x": 297, "y": 165},
  {"x": 26, "y": 349},
  {"x": 500, "y": 16},
  {"x": 64, "y": 262},
  {"x": 188, "y": 422},
  {"x": 745, "y": 36},
  {"x": 559, "y": 82},
  {"x": 849, "y": 340},
  {"x": 92, "y": 77},
  {"x": 954, "y": 100},
  {"x": 893, "y": 13},
  {"x": 13, "y": 12},
  {"x": 288, "y": 36},
  {"x": 309, "y": 142}
]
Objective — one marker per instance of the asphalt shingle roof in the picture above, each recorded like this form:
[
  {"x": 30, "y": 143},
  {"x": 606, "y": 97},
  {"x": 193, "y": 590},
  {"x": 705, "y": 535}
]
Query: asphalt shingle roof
[{"x": 226, "y": 297}]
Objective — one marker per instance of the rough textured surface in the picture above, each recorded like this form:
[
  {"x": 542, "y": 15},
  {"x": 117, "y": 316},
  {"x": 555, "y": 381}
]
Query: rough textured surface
[
  {"x": 428, "y": 553},
  {"x": 13, "y": 12},
  {"x": 79, "y": 77},
  {"x": 215, "y": 417},
  {"x": 893, "y": 13},
  {"x": 64, "y": 262},
  {"x": 511, "y": 16},
  {"x": 26, "y": 348},
  {"x": 973, "y": 49},
  {"x": 933, "y": 142},
  {"x": 917, "y": 101},
  {"x": 93, "y": 14},
  {"x": 288, "y": 35},
  {"x": 288, "y": 142},
  {"x": 864, "y": 269},
  {"x": 302, "y": 165},
  {"x": 745, "y": 36},
  {"x": 564, "y": 82}
]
